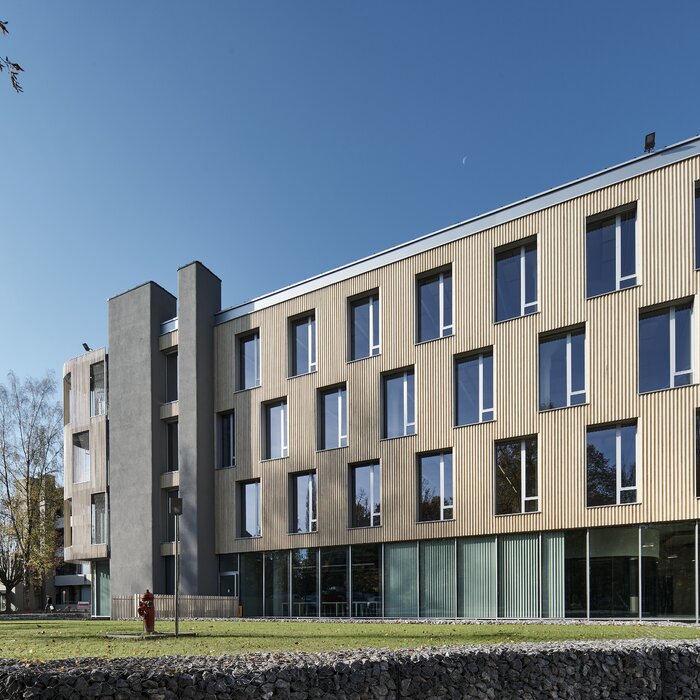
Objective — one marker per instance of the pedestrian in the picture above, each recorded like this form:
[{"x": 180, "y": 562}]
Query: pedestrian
[{"x": 49, "y": 604}]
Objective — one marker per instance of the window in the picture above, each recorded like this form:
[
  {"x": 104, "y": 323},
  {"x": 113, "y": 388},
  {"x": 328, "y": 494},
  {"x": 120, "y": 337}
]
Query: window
[
  {"x": 563, "y": 370},
  {"x": 98, "y": 395},
  {"x": 516, "y": 281},
  {"x": 399, "y": 404},
  {"x": 67, "y": 394},
  {"x": 303, "y": 499},
  {"x": 169, "y": 515},
  {"x": 434, "y": 296},
  {"x": 665, "y": 348},
  {"x": 365, "y": 487},
  {"x": 81, "y": 457},
  {"x": 435, "y": 497},
  {"x": 226, "y": 456},
  {"x": 474, "y": 389},
  {"x": 171, "y": 377},
  {"x": 611, "y": 465},
  {"x": 276, "y": 430},
  {"x": 303, "y": 345},
  {"x": 250, "y": 509},
  {"x": 611, "y": 253},
  {"x": 333, "y": 428},
  {"x": 516, "y": 476},
  {"x": 98, "y": 518},
  {"x": 364, "y": 327},
  {"x": 249, "y": 361},
  {"x": 697, "y": 453},
  {"x": 697, "y": 225},
  {"x": 172, "y": 456}
]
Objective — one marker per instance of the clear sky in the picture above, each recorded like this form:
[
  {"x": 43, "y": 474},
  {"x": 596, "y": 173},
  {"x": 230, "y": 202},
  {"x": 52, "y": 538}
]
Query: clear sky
[{"x": 276, "y": 140}]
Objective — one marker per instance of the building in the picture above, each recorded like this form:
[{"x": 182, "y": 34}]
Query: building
[{"x": 498, "y": 419}]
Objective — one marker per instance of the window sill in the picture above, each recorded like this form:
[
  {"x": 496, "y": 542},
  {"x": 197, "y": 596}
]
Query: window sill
[
  {"x": 613, "y": 291},
  {"x": 614, "y": 505},
  {"x": 248, "y": 388},
  {"x": 516, "y": 318},
  {"x": 397, "y": 437},
  {"x": 228, "y": 466},
  {"x": 331, "y": 449},
  {"x": 350, "y": 528},
  {"x": 362, "y": 359},
  {"x": 563, "y": 408},
  {"x": 471, "y": 425},
  {"x": 307, "y": 532},
  {"x": 240, "y": 538},
  {"x": 509, "y": 515},
  {"x": 428, "y": 522},
  {"x": 433, "y": 340},
  {"x": 303, "y": 374},
  {"x": 667, "y": 388},
  {"x": 273, "y": 459}
]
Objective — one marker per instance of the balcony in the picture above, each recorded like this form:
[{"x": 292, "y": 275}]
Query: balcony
[{"x": 71, "y": 580}]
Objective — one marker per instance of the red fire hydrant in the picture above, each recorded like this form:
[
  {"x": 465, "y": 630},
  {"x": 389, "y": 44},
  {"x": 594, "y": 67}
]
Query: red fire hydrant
[{"x": 147, "y": 610}]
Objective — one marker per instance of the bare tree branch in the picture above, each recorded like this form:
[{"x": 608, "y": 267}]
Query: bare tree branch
[{"x": 13, "y": 69}]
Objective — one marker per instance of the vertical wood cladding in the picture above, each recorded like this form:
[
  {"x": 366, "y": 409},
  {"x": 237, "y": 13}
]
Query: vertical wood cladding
[
  {"x": 81, "y": 421},
  {"x": 666, "y": 432}
]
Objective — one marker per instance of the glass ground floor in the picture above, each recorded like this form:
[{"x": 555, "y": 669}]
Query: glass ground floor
[{"x": 647, "y": 571}]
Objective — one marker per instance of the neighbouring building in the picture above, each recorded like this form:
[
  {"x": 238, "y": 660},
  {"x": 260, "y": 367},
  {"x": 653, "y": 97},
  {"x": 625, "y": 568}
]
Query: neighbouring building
[{"x": 499, "y": 419}]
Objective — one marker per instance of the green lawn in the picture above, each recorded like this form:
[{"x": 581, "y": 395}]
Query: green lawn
[{"x": 62, "y": 639}]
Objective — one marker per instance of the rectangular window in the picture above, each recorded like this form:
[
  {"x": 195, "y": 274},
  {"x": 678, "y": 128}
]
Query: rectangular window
[
  {"x": 303, "y": 500},
  {"x": 365, "y": 487},
  {"x": 399, "y": 404},
  {"x": 611, "y": 253},
  {"x": 171, "y": 377},
  {"x": 516, "y": 281},
  {"x": 98, "y": 394},
  {"x": 563, "y": 370},
  {"x": 474, "y": 389},
  {"x": 227, "y": 443},
  {"x": 516, "y": 477},
  {"x": 665, "y": 348},
  {"x": 434, "y": 301},
  {"x": 435, "y": 479},
  {"x": 250, "y": 509},
  {"x": 333, "y": 428},
  {"x": 697, "y": 226},
  {"x": 81, "y": 457},
  {"x": 249, "y": 361},
  {"x": 98, "y": 518},
  {"x": 697, "y": 453},
  {"x": 276, "y": 430},
  {"x": 303, "y": 345},
  {"x": 364, "y": 327},
  {"x": 169, "y": 515},
  {"x": 172, "y": 455},
  {"x": 611, "y": 465}
]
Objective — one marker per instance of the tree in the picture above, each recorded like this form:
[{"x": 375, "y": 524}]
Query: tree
[
  {"x": 31, "y": 449},
  {"x": 13, "y": 69},
  {"x": 11, "y": 564}
]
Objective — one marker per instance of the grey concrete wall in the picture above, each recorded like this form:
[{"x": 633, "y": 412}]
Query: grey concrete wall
[
  {"x": 199, "y": 298},
  {"x": 137, "y": 450}
]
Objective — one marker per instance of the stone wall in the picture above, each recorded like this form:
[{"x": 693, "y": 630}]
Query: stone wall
[{"x": 633, "y": 670}]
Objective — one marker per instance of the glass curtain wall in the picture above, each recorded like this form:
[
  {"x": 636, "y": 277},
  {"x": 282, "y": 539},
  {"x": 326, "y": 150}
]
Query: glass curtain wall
[
  {"x": 251, "y": 574},
  {"x": 477, "y": 578},
  {"x": 366, "y": 580},
  {"x": 614, "y": 572},
  {"x": 437, "y": 578},
  {"x": 304, "y": 583},
  {"x": 401, "y": 579},
  {"x": 277, "y": 584},
  {"x": 575, "y": 574},
  {"x": 518, "y": 576},
  {"x": 334, "y": 582},
  {"x": 553, "y": 572}
]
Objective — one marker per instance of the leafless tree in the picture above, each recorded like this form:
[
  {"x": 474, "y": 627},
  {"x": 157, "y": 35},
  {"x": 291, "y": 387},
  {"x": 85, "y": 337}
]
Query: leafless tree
[
  {"x": 31, "y": 450},
  {"x": 11, "y": 564},
  {"x": 13, "y": 69}
]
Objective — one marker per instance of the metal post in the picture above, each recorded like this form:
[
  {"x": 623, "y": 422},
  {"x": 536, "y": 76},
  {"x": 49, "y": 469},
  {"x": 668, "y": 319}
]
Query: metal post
[{"x": 177, "y": 575}]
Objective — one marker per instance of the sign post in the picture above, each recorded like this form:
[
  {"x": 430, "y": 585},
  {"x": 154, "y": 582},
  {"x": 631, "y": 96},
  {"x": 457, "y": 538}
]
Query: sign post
[{"x": 176, "y": 510}]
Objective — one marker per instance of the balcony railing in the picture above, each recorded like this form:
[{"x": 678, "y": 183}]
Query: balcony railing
[{"x": 168, "y": 326}]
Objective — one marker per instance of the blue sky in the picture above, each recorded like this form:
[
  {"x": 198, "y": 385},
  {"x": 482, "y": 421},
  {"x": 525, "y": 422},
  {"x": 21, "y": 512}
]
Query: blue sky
[{"x": 276, "y": 140}]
